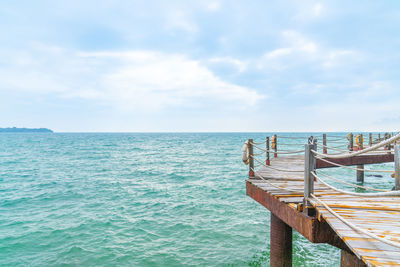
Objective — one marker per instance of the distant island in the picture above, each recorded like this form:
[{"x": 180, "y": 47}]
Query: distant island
[{"x": 25, "y": 130}]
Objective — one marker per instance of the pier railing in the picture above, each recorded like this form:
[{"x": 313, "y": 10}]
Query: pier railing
[{"x": 348, "y": 150}]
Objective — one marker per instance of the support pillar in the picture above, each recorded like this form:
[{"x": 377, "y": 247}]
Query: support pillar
[
  {"x": 281, "y": 243},
  {"x": 348, "y": 259},
  {"x": 360, "y": 171},
  {"x": 251, "y": 159},
  {"x": 397, "y": 167},
  {"x": 324, "y": 148},
  {"x": 268, "y": 161}
]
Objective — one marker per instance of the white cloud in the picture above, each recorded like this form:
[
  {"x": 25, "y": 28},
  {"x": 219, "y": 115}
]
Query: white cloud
[
  {"x": 129, "y": 80},
  {"x": 310, "y": 10},
  {"x": 240, "y": 65},
  {"x": 338, "y": 57},
  {"x": 279, "y": 52},
  {"x": 213, "y": 6},
  {"x": 298, "y": 50},
  {"x": 317, "y": 9},
  {"x": 296, "y": 47},
  {"x": 298, "y": 42},
  {"x": 177, "y": 19}
]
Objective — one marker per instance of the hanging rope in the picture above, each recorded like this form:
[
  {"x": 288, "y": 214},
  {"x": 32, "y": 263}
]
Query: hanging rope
[
  {"x": 291, "y": 144},
  {"x": 334, "y": 148},
  {"x": 336, "y": 139},
  {"x": 382, "y": 194},
  {"x": 351, "y": 168},
  {"x": 270, "y": 167},
  {"x": 278, "y": 152},
  {"x": 349, "y": 155},
  {"x": 336, "y": 136},
  {"x": 276, "y": 186},
  {"x": 259, "y": 154},
  {"x": 292, "y": 137},
  {"x": 259, "y": 143},
  {"x": 350, "y": 184}
]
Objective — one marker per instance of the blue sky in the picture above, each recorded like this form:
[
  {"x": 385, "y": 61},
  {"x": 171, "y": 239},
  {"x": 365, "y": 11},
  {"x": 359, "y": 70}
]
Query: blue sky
[{"x": 200, "y": 65}]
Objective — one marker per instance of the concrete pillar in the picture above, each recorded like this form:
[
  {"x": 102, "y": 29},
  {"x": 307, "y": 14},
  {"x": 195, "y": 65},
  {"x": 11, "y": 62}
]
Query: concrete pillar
[{"x": 281, "y": 243}]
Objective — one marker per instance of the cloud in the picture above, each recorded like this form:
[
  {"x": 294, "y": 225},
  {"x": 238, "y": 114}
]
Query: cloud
[
  {"x": 310, "y": 10},
  {"x": 317, "y": 9},
  {"x": 213, "y": 6},
  {"x": 297, "y": 50},
  {"x": 127, "y": 80},
  {"x": 177, "y": 19},
  {"x": 240, "y": 65}
]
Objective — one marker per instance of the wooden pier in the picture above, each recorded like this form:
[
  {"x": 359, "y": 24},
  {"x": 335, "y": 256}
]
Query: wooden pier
[{"x": 365, "y": 226}]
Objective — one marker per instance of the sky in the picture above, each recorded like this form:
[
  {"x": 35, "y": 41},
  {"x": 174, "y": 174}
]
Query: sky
[{"x": 200, "y": 66}]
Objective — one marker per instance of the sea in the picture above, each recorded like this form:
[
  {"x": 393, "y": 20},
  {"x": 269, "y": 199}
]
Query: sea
[{"x": 141, "y": 199}]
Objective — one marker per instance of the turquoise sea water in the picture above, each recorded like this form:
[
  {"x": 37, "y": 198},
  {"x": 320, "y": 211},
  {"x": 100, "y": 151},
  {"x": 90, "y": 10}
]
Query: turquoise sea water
[{"x": 137, "y": 200}]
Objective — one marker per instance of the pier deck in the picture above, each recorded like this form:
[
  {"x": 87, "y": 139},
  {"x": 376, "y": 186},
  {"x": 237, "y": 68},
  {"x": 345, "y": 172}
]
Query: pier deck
[{"x": 274, "y": 189}]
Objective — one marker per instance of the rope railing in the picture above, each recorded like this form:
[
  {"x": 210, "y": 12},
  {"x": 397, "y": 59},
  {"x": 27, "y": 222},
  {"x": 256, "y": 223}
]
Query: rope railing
[
  {"x": 259, "y": 143},
  {"x": 336, "y": 136},
  {"x": 334, "y": 148},
  {"x": 381, "y": 194},
  {"x": 292, "y": 137},
  {"x": 285, "y": 144},
  {"x": 276, "y": 186},
  {"x": 273, "y": 168},
  {"x": 278, "y": 152},
  {"x": 356, "y": 153},
  {"x": 349, "y": 184},
  {"x": 351, "y": 168},
  {"x": 336, "y": 139},
  {"x": 261, "y": 153},
  {"x": 353, "y": 226}
]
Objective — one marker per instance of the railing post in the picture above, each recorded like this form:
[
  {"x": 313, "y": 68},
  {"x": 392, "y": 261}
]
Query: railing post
[
  {"x": 389, "y": 145},
  {"x": 251, "y": 158},
  {"x": 360, "y": 173},
  {"x": 268, "y": 162},
  {"x": 309, "y": 167},
  {"x": 397, "y": 167},
  {"x": 324, "y": 148},
  {"x": 276, "y": 146},
  {"x": 351, "y": 142},
  {"x": 370, "y": 139}
]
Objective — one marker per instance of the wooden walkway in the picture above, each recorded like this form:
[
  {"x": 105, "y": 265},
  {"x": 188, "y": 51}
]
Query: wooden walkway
[{"x": 378, "y": 215}]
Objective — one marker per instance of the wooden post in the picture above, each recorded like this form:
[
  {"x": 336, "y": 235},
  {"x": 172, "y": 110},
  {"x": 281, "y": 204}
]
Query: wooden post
[
  {"x": 251, "y": 158},
  {"x": 276, "y": 146},
  {"x": 281, "y": 243},
  {"x": 379, "y": 137},
  {"x": 325, "y": 149},
  {"x": 360, "y": 173},
  {"x": 268, "y": 162},
  {"x": 351, "y": 143},
  {"x": 389, "y": 145},
  {"x": 309, "y": 166},
  {"x": 397, "y": 167},
  {"x": 370, "y": 139}
]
